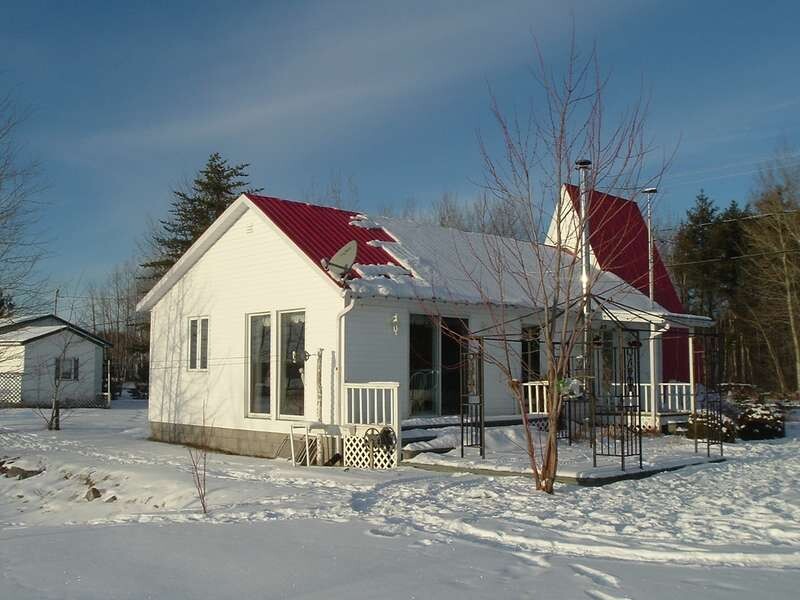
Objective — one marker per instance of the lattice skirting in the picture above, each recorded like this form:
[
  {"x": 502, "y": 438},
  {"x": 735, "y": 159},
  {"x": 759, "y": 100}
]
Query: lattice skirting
[
  {"x": 98, "y": 402},
  {"x": 357, "y": 454}
]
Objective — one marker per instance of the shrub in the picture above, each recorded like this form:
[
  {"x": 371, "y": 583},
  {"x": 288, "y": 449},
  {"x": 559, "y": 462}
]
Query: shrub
[
  {"x": 761, "y": 421},
  {"x": 698, "y": 427}
]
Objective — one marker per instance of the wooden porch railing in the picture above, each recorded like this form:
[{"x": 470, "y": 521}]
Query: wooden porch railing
[
  {"x": 373, "y": 404},
  {"x": 536, "y": 396},
  {"x": 673, "y": 397}
]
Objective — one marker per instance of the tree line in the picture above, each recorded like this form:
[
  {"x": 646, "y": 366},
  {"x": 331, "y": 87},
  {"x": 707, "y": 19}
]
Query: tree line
[{"x": 740, "y": 265}]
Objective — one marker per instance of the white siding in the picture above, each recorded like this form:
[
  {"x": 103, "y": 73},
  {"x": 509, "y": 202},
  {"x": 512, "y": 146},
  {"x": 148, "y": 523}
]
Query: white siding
[
  {"x": 38, "y": 383},
  {"x": 251, "y": 268},
  {"x": 12, "y": 358},
  {"x": 375, "y": 353}
]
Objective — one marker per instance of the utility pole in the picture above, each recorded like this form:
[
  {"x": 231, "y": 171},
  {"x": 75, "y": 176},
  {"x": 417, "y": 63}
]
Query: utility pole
[
  {"x": 55, "y": 304},
  {"x": 654, "y": 333}
]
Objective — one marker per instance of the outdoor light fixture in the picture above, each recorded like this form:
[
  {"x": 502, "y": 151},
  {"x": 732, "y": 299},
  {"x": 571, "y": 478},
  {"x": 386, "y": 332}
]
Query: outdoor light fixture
[{"x": 395, "y": 324}]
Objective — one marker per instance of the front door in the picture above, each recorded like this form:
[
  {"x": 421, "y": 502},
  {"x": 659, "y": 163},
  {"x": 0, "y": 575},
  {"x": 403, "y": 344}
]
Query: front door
[{"x": 452, "y": 341}]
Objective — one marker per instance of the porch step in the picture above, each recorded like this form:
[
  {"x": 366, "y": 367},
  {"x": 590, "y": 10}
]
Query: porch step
[{"x": 453, "y": 421}]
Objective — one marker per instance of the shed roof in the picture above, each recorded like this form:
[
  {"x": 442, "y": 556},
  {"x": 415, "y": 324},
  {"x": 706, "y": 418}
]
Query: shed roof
[
  {"x": 25, "y": 328},
  {"x": 29, "y": 333}
]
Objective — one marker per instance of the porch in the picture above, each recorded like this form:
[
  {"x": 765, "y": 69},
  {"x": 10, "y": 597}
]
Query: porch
[{"x": 674, "y": 402}]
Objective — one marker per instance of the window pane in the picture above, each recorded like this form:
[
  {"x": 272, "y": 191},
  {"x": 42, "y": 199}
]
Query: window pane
[
  {"x": 293, "y": 348},
  {"x": 66, "y": 368},
  {"x": 193, "y": 344},
  {"x": 259, "y": 364},
  {"x": 204, "y": 343}
]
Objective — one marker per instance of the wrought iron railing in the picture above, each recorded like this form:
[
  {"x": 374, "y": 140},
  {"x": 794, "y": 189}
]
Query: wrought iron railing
[{"x": 617, "y": 431}]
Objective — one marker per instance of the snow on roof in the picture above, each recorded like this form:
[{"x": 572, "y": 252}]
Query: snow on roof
[
  {"x": 24, "y": 334},
  {"x": 405, "y": 259},
  {"x": 18, "y": 320},
  {"x": 456, "y": 266}
]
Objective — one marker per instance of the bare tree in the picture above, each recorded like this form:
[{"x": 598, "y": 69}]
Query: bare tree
[
  {"x": 19, "y": 251},
  {"x": 773, "y": 266},
  {"x": 534, "y": 261}
]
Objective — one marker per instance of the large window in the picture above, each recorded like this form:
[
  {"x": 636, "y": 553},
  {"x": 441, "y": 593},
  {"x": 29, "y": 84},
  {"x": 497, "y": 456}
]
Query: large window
[
  {"x": 198, "y": 344},
  {"x": 260, "y": 328},
  {"x": 531, "y": 354},
  {"x": 292, "y": 339},
  {"x": 66, "y": 369}
]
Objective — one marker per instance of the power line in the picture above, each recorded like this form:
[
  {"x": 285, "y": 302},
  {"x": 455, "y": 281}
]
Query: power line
[
  {"x": 710, "y": 260},
  {"x": 721, "y": 221}
]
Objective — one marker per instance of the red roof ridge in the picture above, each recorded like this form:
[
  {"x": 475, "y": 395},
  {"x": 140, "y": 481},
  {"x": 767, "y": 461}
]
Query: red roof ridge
[{"x": 320, "y": 231}]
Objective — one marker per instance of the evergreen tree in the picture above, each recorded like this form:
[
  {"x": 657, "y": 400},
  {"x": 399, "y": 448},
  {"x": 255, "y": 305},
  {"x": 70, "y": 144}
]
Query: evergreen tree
[
  {"x": 192, "y": 211},
  {"x": 728, "y": 238},
  {"x": 6, "y": 305},
  {"x": 696, "y": 250}
]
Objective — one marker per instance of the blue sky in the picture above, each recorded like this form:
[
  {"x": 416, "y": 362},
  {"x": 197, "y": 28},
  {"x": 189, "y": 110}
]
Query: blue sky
[{"x": 128, "y": 99}]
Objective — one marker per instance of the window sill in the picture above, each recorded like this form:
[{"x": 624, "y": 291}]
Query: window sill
[{"x": 259, "y": 416}]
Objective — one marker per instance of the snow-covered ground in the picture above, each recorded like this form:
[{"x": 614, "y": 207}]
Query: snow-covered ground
[{"x": 728, "y": 530}]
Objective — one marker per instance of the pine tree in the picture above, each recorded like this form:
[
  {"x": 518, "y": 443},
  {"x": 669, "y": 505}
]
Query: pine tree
[
  {"x": 7, "y": 305},
  {"x": 728, "y": 237},
  {"x": 696, "y": 250},
  {"x": 216, "y": 186}
]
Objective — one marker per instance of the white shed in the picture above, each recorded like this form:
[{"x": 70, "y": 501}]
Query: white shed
[{"x": 43, "y": 355}]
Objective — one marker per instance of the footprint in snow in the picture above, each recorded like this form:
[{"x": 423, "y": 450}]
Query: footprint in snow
[
  {"x": 598, "y": 595},
  {"x": 382, "y": 533},
  {"x": 599, "y": 577}
]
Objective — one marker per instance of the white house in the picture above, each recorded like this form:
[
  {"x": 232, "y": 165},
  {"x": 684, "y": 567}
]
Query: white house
[
  {"x": 251, "y": 335},
  {"x": 43, "y": 355}
]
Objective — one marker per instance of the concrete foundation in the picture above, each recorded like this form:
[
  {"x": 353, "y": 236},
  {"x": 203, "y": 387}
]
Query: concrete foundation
[{"x": 263, "y": 444}]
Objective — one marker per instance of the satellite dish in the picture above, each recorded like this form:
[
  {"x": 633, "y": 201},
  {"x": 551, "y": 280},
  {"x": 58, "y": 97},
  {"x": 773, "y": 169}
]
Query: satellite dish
[{"x": 340, "y": 263}]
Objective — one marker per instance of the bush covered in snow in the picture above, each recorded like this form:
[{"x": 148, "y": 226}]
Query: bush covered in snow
[
  {"x": 759, "y": 420},
  {"x": 699, "y": 427}
]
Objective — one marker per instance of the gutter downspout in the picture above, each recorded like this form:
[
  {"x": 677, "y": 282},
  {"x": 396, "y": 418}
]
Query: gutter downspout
[{"x": 349, "y": 304}]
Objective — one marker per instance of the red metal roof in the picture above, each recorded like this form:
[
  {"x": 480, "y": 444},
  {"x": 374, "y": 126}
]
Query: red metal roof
[
  {"x": 319, "y": 231},
  {"x": 618, "y": 236}
]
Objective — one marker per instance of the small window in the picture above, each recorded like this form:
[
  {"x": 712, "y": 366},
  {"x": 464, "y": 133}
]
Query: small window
[
  {"x": 531, "y": 354},
  {"x": 66, "y": 369},
  {"x": 198, "y": 344}
]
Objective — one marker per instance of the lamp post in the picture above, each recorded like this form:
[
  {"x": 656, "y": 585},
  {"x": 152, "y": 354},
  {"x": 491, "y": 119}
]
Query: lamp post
[
  {"x": 583, "y": 167},
  {"x": 650, "y": 192}
]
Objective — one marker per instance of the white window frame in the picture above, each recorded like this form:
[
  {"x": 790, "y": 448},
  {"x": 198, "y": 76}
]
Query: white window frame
[
  {"x": 198, "y": 350},
  {"x": 272, "y": 365}
]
